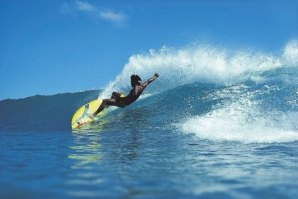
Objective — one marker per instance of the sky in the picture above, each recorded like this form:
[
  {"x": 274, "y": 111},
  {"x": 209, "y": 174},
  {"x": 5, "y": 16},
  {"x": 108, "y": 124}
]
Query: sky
[{"x": 57, "y": 46}]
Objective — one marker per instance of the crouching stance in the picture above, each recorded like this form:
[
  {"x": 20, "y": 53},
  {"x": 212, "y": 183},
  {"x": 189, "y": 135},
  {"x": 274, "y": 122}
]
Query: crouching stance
[{"x": 137, "y": 88}]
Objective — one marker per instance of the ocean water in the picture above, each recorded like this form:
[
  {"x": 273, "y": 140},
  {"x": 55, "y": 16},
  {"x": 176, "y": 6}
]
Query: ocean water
[{"x": 218, "y": 123}]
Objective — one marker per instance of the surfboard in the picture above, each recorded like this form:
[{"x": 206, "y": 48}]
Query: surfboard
[{"x": 81, "y": 117}]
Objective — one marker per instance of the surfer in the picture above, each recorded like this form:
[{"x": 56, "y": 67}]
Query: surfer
[{"x": 137, "y": 88}]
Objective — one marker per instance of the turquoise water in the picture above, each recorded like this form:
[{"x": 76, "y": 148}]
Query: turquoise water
[
  {"x": 231, "y": 135},
  {"x": 133, "y": 163}
]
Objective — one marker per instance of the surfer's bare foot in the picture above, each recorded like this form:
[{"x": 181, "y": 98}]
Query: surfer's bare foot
[{"x": 91, "y": 115}]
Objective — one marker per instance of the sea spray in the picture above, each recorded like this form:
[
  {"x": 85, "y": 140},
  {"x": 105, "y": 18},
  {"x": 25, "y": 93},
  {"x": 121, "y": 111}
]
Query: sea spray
[{"x": 200, "y": 63}]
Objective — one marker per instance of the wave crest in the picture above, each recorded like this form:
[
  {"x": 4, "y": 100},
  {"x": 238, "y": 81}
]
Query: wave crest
[
  {"x": 200, "y": 63},
  {"x": 290, "y": 52}
]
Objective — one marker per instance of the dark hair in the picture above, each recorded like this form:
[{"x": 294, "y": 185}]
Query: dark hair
[{"x": 134, "y": 80}]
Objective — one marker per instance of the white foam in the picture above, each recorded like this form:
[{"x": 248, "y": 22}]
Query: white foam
[
  {"x": 239, "y": 120},
  {"x": 242, "y": 121},
  {"x": 200, "y": 63},
  {"x": 290, "y": 52}
]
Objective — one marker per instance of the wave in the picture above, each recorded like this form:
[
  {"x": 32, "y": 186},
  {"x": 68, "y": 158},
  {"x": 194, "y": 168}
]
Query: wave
[
  {"x": 242, "y": 117},
  {"x": 202, "y": 63},
  {"x": 211, "y": 93},
  {"x": 42, "y": 113},
  {"x": 243, "y": 121}
]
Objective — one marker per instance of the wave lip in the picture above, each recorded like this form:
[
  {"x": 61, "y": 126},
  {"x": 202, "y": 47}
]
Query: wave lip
[
  {"x": 201, "y": 63},
  {"x": 290, "y": 53}
]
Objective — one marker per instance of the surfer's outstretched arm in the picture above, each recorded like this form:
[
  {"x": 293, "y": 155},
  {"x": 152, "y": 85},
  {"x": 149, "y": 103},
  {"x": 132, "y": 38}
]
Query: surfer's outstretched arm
[{"x": 146, "y": 83}]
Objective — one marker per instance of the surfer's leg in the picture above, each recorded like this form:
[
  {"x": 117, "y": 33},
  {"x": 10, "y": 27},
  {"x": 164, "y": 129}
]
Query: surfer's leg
[
  {"x": 106, "y": 102},
  {"x": 115, "y": 102},
  {"x": 110, "y": 102},
  {"x": 101, "y": 107},
  {"x": 115, "y": 95}
]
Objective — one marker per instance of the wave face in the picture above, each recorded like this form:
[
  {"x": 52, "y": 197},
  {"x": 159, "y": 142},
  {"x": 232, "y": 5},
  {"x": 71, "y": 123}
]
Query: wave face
[
  {"x": 213, "y": 93},
  {"x": 219, "y": 94},
  {"x": 42, "y": 113}
]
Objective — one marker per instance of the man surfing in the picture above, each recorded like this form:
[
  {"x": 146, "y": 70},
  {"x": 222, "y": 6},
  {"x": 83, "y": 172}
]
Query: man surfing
[{"x": 117, "y": 100}]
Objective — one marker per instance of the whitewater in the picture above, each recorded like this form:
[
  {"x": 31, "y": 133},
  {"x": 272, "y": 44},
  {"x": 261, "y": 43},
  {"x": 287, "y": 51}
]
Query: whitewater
[
  {"x": 242, "y": 80},
  {"x": 217, "y": 123}
]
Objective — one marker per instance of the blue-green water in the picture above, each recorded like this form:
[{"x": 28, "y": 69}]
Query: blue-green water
[{"x": 188, "y": 137}]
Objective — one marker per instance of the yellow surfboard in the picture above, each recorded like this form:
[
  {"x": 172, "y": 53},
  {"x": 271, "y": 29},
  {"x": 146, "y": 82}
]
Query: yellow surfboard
[{"x": 81, "y": 117}]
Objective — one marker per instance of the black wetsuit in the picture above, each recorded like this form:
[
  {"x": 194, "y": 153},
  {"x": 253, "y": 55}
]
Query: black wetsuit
[{"x": 133, "y": 95}]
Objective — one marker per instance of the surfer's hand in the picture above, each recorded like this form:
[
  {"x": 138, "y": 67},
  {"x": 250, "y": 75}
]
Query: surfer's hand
[{"x": 156, "y": 75}]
